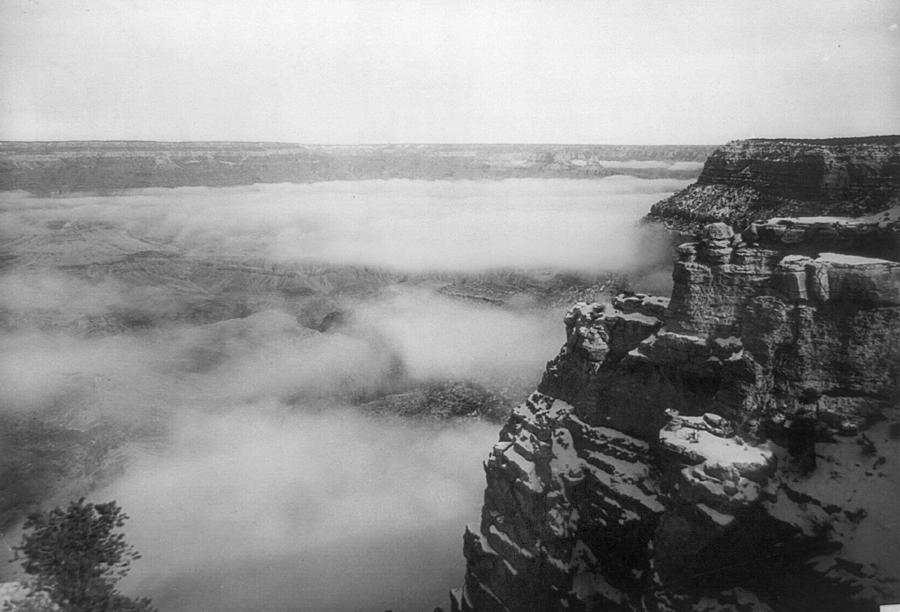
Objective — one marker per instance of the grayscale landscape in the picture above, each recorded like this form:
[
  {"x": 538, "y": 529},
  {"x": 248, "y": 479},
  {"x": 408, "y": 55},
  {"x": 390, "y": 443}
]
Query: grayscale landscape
[
  {"x": 322, "y": 299},
  {"x": 188, "y": 348}
]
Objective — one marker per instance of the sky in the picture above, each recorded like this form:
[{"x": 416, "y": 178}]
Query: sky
[{"x": 346, "y": 72}]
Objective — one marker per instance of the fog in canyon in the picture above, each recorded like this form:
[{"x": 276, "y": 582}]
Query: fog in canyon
[{"x": 236, "y": 366}]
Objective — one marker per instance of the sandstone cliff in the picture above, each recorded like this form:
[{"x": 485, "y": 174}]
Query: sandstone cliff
[
  {"x": 734, "y": 447},
  {"x": 753, "y": 180}
]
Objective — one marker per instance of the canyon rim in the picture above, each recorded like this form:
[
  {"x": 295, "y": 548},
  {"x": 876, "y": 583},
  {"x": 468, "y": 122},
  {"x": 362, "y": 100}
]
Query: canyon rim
[{"x": 732, "y": 446}]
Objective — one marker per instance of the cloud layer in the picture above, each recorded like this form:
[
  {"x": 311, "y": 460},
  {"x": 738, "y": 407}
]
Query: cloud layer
[
  {"x": 398, "y": 224},
  {"x": 253, "y": 477},
  {"x": 324, "y": 501}
]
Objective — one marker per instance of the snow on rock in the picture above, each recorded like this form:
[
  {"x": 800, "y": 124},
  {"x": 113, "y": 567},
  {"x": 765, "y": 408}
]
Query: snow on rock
[
  {"x": 551, "y": 464},
  {"x": 17, "y": 594},
  {"x": 597, "y": 330},
  {"x": 853, "y": 497},
  {"x": 704, "y": 441},
  {"x": 851, "y": 260},
  {"x": 736, "y": 447},
  {"x": 723, "y": 474}
]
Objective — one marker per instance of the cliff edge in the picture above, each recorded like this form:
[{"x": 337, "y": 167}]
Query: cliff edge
[
  {"x": 733, "y": 447},
  {"x": 753, "y": 180}
]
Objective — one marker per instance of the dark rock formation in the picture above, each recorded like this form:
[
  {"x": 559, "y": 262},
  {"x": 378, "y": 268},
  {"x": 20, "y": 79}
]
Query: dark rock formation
[
  {"x": 443, "y": 400},
  {"x": 753, "y": 180},
  {"x": 732, "y": 448}
]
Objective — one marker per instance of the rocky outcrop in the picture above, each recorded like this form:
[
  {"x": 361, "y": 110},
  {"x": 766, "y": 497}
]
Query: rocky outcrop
[
  {"x": 442, "y": 401},
  {"x": 752, "y": 180},
  {"x": 734, "y": 447}
]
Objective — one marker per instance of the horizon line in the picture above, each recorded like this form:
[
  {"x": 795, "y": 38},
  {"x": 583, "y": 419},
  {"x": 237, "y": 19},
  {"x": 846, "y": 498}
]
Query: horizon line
[
  {"x": 438, "y": 143},
  {"x": 359, "y": 144}
]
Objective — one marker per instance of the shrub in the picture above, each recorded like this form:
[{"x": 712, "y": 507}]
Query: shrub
[{"x": 77, "y": 555}]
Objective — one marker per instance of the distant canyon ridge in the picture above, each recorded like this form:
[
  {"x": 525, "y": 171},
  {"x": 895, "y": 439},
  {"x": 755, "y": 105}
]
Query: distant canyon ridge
[
  {"x": 78, "y": 166},
  {"x": 754, "y": 180}
]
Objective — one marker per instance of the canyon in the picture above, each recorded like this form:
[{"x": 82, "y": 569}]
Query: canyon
[{"x": 732, "y": 446}]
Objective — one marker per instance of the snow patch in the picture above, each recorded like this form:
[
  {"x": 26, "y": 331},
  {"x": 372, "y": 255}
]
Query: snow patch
[
  {"x": 851, "y": 260},
  {"x": 718, "y": 517},
  {"x": 633, "y": 316},
  {"x": 494, "y": 531}
]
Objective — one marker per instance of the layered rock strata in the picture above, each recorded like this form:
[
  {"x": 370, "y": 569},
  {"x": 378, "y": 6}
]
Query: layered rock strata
[
  {"x": 752, "y": 180},
  {"x": 87, "y": 166},
  {"x": 735, "y": 447}
]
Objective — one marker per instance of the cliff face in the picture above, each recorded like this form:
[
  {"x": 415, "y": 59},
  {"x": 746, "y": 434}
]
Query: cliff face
[
  {"x": 735, "y": 447},
  {"x": 752, "y": 180}
]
